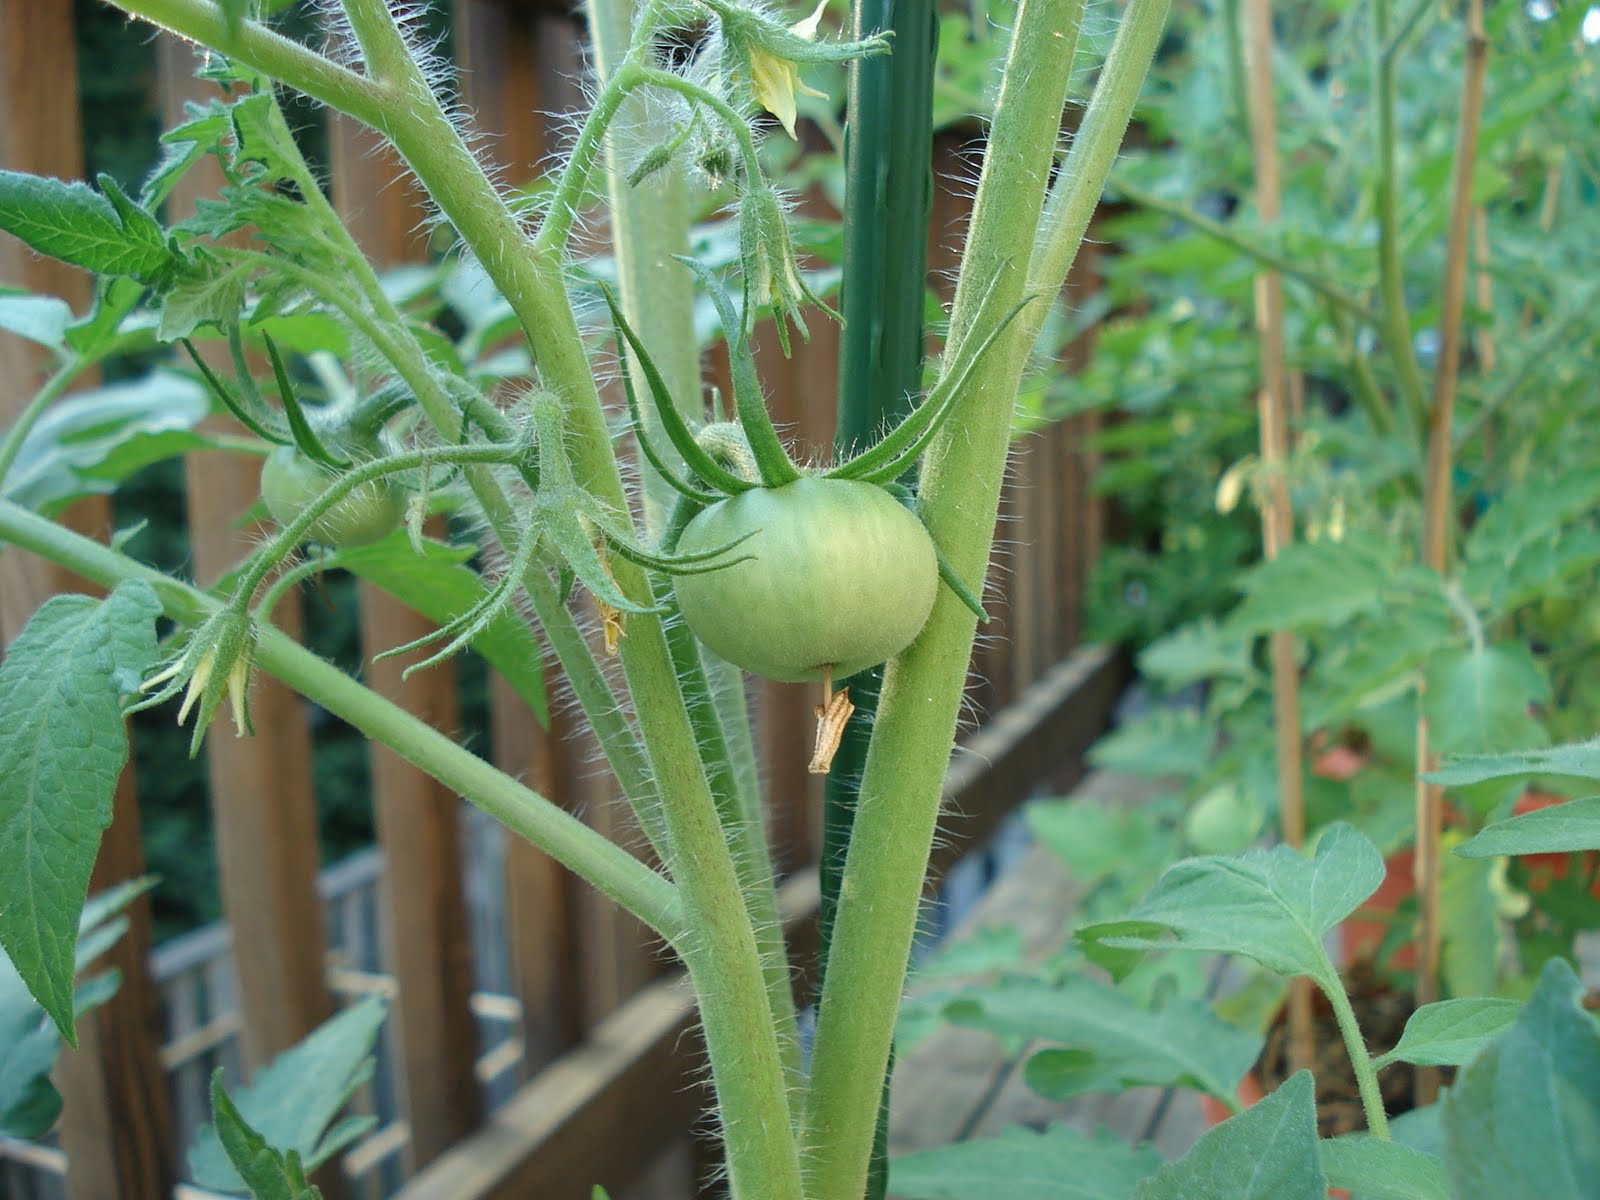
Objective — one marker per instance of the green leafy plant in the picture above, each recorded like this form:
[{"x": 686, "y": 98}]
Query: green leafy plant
[{"x": 394, "y": 405}]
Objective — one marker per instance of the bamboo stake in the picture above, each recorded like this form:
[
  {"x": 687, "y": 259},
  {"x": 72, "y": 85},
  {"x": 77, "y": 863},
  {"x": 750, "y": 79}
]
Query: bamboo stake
[
  {"x": 1437, "y": 508},
  {"x": 1277, "y": 515}
]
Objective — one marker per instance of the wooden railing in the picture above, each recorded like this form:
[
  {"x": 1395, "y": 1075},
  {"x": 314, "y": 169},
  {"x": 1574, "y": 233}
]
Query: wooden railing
[{"x": 540, "y": 1043}]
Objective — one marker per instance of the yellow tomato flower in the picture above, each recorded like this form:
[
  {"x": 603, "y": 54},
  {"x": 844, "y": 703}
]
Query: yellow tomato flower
[{"x": 775, "y": 81}]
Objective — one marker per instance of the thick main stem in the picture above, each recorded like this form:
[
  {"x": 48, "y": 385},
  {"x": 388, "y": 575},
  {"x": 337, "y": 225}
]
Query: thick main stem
[{"x": 960, "y": 497}]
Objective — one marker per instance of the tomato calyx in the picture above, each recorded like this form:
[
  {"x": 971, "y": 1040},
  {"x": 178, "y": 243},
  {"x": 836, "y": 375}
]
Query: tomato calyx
[{"x": 832, "y": 716}]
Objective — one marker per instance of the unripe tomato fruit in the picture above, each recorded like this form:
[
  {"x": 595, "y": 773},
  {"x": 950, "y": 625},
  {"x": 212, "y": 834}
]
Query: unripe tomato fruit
[
  {"x": 841, "y": 576},
  {"x": 290, "y": 482}
]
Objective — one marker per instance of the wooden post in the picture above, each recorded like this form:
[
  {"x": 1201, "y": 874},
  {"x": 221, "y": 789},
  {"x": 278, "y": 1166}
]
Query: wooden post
[
  {"x": 425, "y": 927},
  {"x": 261, "y": 792},
  {"x": 116, "y": 1128}
]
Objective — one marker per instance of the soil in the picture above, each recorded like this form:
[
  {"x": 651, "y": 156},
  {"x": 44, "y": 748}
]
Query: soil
[{"x": 1381, "y": 1011}]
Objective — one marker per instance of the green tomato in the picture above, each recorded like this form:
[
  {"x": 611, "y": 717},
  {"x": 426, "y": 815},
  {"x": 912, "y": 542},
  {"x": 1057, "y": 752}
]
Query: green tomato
[
  {"x": 840, "y": 577},
  {"x": 290, "y": 482}
]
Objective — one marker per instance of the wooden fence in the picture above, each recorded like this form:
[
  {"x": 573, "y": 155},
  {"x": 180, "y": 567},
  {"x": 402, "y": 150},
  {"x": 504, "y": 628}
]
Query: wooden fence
[{"x": 538, "y": 1044}]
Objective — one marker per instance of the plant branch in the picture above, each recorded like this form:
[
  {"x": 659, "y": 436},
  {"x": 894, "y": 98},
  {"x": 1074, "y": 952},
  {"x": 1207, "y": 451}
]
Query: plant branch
[
  {"x": 60, "y": 380},
  {"x": 641, "y": 891}
]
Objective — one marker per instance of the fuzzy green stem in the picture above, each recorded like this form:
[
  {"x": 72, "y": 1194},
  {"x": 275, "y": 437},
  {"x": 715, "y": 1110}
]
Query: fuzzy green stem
[
  {"x": 63, "y": 377},
  {"x": 1360, "y": 1060},
  {"x": 613, "y": 870},
  {"x": 960, "y": 498},
  {"x": 1078, "y": 187},
  {"x": 649, "y": 228},
  {"x": 290, "y": 536}
]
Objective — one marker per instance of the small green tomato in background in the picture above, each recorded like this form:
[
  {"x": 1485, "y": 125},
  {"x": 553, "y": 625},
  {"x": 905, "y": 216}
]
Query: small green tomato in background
[
  {"x": 840, "y": 576},
  {"x": 290, "y": 482}
]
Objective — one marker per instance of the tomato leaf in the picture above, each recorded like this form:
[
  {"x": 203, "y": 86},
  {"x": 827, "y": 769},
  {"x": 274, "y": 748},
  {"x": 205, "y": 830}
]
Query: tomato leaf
[
  {"x": 266, "y": 1171},
  {"x": 29, "y": 1041},
  {"x": 1558, "y": 829},
  {"x": 1523, "y": 1119},
  {"x": 290, "y": 1104},
  {"x": 1114, "y": 1041},
  {"x": 90, "y": 441},
  {"x": 1277, "y": 1138},
  {"x": 62, "y": 748},
  {"x": 1579, "y": 759},
  {"x": 1309, "y": 584},
  {"x": 1477, "y": 699},
  {"x": 1273, "y": 906},
  {"x": 41, "y": 319},
  {"x": 1450, "y": 1033},
  {"x": 1059, "y": 1163},
  {"x": 73, "y": 222},
  {"x": 1375, "y": 1169}
]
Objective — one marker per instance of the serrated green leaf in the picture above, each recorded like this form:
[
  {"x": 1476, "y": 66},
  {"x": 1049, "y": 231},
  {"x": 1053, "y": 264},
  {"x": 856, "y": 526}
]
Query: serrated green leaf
[
  {"x": 1196, "y": 653},
  {"x": 263, "y": 1170},
  {"x": 1561, "y": 828},
  {"x": 1096, "y": 840},
  {"x": 40, "y": 319},
  {"x": 62, "y": 748},
  {"x": 291, "y": 1103},
  {"x": 1166, "y": 741},
  {"x": 1520, "y": 517},
  {"x": 1579, "y": 759},
  {"x": 1450, "y": 1033},
  {"x": 1273, "y": 906},
  {"x": 29, "y": 1041},
  {"x": 1523, "y": 1119},
  {"x": 1060, "y": 1163},
  {"x": 1115, "y": 1042},
  {"x": 73, "y": 222},
  {"x": 90, "y": 441},
  {"x": 214, "y": 294},
  {"x": 440, "y": 588},
  {"x": 1374, "y": 1169},
  {"x": 1309, "y": 584},
  {"x": 1477, "y": 699},
  {"x": 1379, "y": 661},
  {"x": 1267, "y": 1152}
]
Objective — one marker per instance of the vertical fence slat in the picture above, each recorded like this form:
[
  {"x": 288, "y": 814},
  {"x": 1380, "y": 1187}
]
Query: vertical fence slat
[
  {"x": 424, "y": 925},
  {"x": 117, "y": 1123},
  {"x": 261, "y": 791}
]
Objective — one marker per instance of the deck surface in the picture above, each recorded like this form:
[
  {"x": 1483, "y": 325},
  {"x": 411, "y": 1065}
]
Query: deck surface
[{"x": 960, "y": 1084}]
